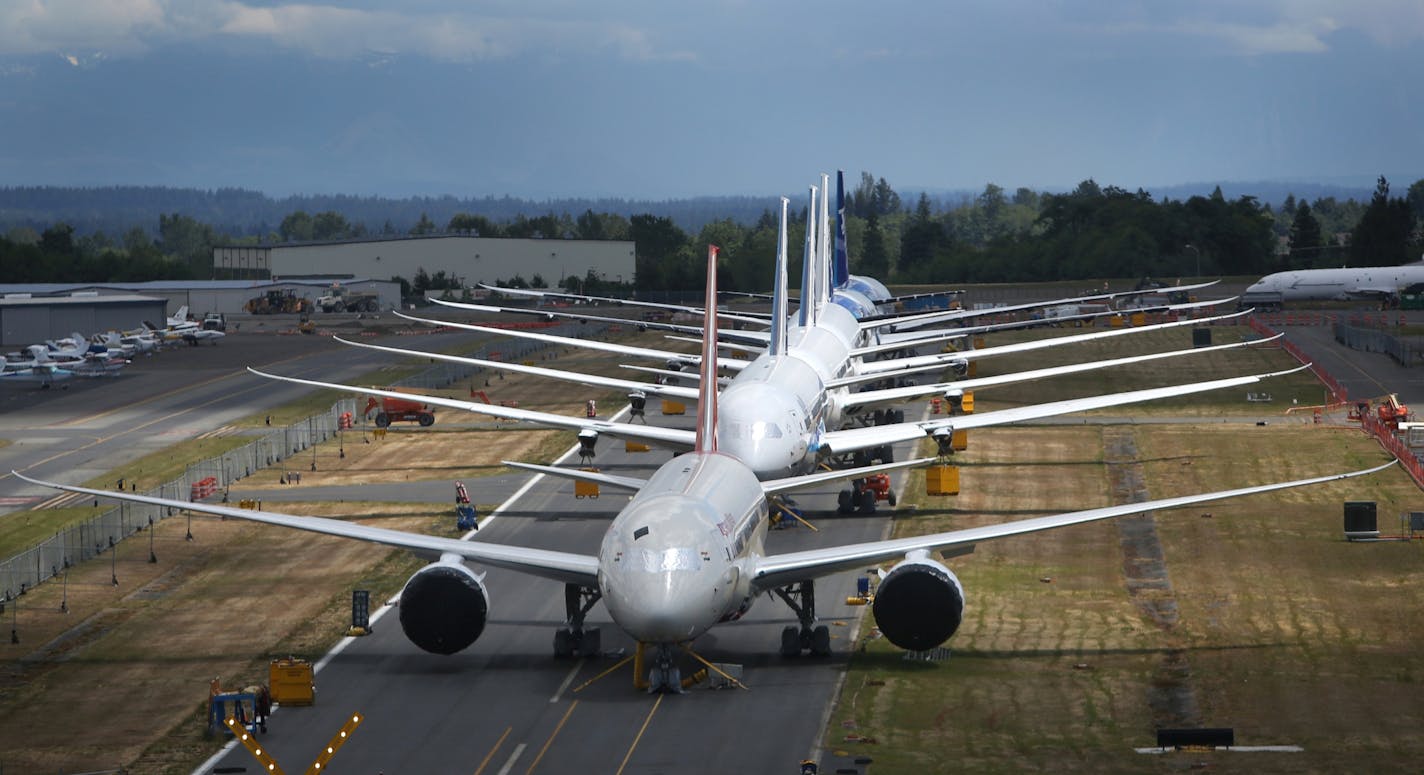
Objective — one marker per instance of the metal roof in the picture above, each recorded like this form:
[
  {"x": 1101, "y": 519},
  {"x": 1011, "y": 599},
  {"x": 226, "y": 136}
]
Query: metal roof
[{"x": 117, "y": 298}]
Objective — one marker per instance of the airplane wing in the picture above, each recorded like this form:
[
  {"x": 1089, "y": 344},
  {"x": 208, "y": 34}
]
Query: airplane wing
[
  {"x": 900, "y": 340},
  {"x": 549, "y": 314},
  {"x": 770, "y": 487},
  {"x": 752, "y": 337},
  {"x": 899, "y": 322},
  {"x": 581, "y": 475},
  {"x": 893, "y": 395},
  {"x": 871, "y": 367},
  {"x": 781, "y": 569},
  {"x": 623, "y": 302},
  {"x": 669, "y": 356},
  {"x": 559, "y": 566},
  {"x": 851, "y": 439},
  {"x": 674, "y": 438},
  {"x": 801, "y": 482},
  {"x": 667, "y": 391}
]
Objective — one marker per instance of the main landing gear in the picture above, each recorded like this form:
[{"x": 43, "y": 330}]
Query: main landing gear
[
  {"x": 573, "y": 638},
  {"x": 807, "y": 636}
]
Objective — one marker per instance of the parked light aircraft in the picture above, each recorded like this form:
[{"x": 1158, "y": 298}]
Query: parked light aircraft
[
  {"x": 189, "y": 331},
  {"x": 1366, "y": 282},
  {"x": 30, "y": 372},
  {"x": 688, "y": 552}
]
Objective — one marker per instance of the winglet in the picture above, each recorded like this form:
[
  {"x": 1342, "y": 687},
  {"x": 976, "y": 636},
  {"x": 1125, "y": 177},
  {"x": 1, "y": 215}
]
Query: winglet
[
  {"x": 706, "y": 440},
  {"x": 777, "y": 346}
]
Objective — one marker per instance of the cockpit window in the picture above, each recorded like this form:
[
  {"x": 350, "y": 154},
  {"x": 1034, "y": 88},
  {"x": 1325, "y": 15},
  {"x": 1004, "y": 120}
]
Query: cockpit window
[
  {"x": 639, "y": 533},
  {"x": 756, "y": 431},
  {"x": 671, "y": 560}
]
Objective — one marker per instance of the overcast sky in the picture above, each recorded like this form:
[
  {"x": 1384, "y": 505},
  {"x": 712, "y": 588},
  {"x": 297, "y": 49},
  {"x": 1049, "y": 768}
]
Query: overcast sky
[{"x": 654, "y": 99}]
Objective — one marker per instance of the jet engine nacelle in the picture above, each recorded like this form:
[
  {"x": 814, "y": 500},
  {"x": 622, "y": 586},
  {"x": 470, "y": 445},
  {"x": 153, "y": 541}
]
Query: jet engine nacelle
[
  {"x": 443, "y": 607},
  {"x": 919, "y": 604},
  {"x": 960, "y": 366}
]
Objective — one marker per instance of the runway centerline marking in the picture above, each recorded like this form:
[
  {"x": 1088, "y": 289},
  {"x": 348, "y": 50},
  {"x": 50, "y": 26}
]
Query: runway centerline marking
[
  {"x": 552, "y": 735},
  {"x": 639, "y": 737},
  {"x": 490, "y": 755},
  {"x": 513, "y": 757},
  {"x": 567, "y": 680}
]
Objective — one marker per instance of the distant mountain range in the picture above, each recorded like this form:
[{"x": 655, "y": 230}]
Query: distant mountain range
[{"x": 241, "y": 212}]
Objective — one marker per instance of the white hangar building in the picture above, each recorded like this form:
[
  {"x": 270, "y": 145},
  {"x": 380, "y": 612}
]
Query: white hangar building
[{"x": 471, "y": 260}]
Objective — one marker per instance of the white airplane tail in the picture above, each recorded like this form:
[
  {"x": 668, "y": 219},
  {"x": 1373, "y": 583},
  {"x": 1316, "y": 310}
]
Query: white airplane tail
[
  {"x": 809, "y": 283},
  {"x": 777, "y": 345},
  {"x": 180, "y": 317},
  {"x": 706, "y": 440}
]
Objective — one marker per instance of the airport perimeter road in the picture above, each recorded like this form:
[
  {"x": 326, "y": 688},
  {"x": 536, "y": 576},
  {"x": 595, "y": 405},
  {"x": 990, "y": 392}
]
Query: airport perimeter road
[
  {"x": 506, "y": 705},
  {"x": 1364, "y": 375},
  {"x": 100, "y": 424}
]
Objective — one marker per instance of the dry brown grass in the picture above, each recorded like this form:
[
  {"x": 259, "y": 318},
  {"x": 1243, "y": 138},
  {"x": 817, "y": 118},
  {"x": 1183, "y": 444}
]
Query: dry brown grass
[
  {"x": 120, "y": 679},
  {"x": 1286, "y": 632}
]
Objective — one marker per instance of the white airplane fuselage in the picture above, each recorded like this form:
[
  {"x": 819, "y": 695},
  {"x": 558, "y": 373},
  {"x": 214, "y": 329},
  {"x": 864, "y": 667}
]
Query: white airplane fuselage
[
  {"x": 774, "y": 409},
  {"x": 1339, "y": 284},
  {"x": 671, "y": 564}
]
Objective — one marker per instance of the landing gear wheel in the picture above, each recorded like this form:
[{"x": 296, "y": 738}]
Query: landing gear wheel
[
  {"x": 866, "y": 502},
  {"x": 821, "y": 641},
  {"x": 845, "y": 502},
  {"x": 791, "y": 641},
  {"x": 564, "y": 643}
]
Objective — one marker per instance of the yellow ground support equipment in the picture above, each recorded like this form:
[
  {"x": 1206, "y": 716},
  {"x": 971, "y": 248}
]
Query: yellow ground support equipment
[
  {"x": 291, "y": 681},
  {"x": 584, "y": 489},
  {"x": 674, "y": 407},
  {"x": 942, "y": 479},
  {"x": 966, "y": 403},
  {"x": 633, "y": 446},
  {"x": 959, "y": 441}
]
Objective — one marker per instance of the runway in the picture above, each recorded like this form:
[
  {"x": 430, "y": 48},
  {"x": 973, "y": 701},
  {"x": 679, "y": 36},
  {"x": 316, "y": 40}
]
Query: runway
[{"x": 99, "y": 425}]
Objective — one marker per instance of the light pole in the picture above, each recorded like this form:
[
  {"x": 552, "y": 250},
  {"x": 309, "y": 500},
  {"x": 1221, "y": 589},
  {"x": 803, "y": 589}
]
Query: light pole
[{"x": 1196, "y": 250}]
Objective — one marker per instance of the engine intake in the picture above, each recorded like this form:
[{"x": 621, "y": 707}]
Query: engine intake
[
  {"x": 443, "y": 608},
  {"x": 919, "y": 604}
]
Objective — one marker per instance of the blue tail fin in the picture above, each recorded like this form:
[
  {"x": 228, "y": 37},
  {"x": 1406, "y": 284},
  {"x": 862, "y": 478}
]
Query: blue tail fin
[{"x": 840, "y": 273}]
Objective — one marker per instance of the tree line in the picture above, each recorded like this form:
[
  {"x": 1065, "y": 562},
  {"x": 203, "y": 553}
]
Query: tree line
[{"x": 1090, "y": 232}]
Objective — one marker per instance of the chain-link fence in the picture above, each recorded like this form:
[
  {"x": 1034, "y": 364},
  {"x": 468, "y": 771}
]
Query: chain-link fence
[
  {"x": 90, "y": 538},
  {"x": 1408, "y": 352},
  {"x": 84, "y": 541}
]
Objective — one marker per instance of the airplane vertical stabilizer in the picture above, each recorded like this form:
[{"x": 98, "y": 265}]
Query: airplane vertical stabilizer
[
  {"x": 840, "y": 274},
  {"x": 777, "y": 346},
  {"x": 707, "y": 392},
  {"x": 823, "y": 245},
  {"x": 809, "y": 285}
]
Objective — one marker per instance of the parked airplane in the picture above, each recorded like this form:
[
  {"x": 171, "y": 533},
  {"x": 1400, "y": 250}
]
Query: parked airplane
[
  {"x": 782, "y": 414},
  {"x": 1366, "y": 282},
  {"x": 29, "y": 372},
  {"x": 189, "y": 331},
  {"x": 688, "y": 552}
]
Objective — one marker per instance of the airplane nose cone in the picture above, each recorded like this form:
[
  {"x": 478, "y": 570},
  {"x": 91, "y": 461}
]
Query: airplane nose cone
[{"x": 659, "y": 614}]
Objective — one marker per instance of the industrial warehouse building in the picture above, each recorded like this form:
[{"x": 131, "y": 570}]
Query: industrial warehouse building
[
  {"x": 470, "y": 260},
  {"x": 32, "y": 320}
]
